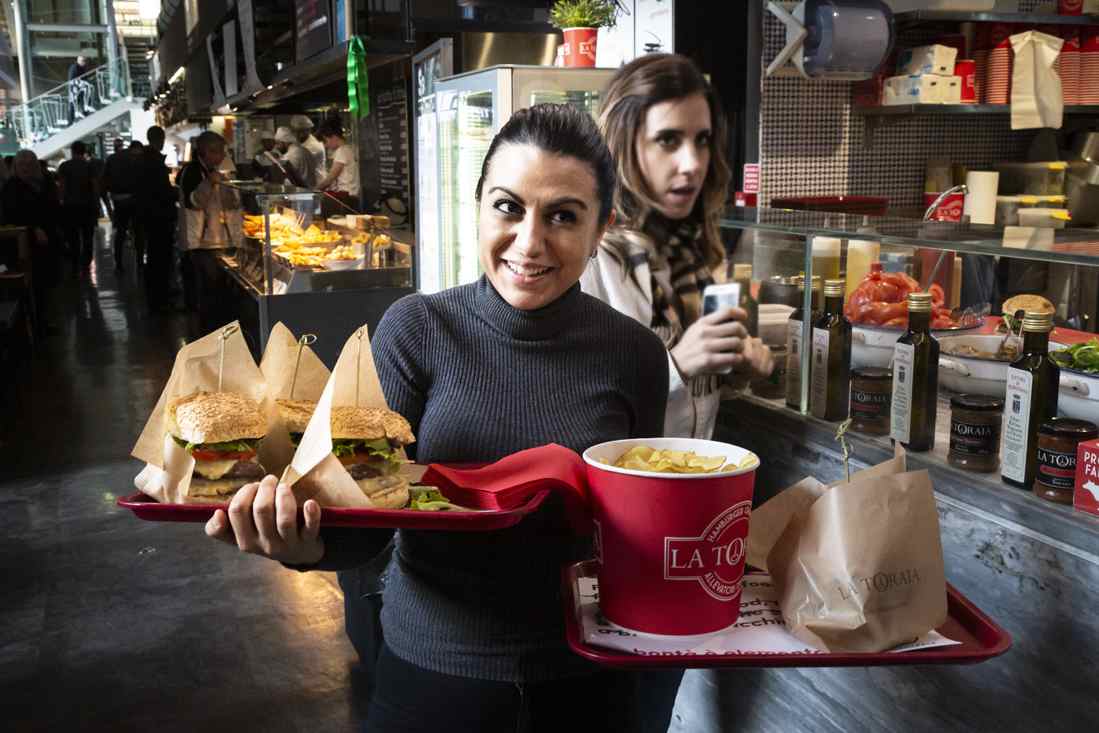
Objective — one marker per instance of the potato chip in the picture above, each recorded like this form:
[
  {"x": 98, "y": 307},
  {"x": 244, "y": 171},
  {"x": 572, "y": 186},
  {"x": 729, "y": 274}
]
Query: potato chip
[{"x": 644, "y": 458}]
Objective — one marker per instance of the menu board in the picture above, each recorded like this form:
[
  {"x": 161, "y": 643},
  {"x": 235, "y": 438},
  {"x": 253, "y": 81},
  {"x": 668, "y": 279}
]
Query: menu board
[
  {"x": 313, "y": 27},
  {"x": 392, "y": 120}
]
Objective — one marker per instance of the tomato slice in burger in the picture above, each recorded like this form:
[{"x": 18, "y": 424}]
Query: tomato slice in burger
[{"x": 209, "y": 455}]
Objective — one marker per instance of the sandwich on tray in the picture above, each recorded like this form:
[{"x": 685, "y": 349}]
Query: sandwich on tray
[
  {"x": 367, "y": 441},
  {"x": 221, "y": 431}
]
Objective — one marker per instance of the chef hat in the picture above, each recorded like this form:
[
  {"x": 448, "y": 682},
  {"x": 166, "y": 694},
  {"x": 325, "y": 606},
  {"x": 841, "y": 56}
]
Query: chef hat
[
  {"x": 283, "y": 135},
  {"x": 301, "y": 122}
]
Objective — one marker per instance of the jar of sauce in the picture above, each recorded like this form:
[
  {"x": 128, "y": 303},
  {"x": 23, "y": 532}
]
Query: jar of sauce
[
  {"x": 871, "y": 394},
  {"x": 975, "y": 422},
  {"x": 1057, "y": 442}
]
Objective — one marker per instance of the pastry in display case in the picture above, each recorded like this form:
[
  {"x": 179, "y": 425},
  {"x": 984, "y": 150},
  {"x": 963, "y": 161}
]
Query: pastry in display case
[{"x": 288, "y": 247}]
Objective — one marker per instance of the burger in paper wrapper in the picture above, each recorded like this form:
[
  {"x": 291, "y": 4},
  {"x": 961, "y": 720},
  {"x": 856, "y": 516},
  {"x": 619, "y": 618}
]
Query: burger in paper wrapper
[
  {"x": 221, "y": 432},
  {"x": 367, "y": 441}
]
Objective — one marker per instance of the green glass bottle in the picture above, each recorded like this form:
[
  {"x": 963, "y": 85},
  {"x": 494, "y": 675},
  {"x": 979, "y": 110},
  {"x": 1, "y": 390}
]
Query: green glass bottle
[
  {"x": 831, "y": 373},
  {"x": 915, "y": 379},
  {"x": 1033, "y": 381},
  {"x": 793, "y": 344}
]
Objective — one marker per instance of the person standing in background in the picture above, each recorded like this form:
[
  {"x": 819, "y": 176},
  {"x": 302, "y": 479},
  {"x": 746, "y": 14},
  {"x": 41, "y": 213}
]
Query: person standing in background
[
  {"x": 342, "y": 180},
  {"x": 156, "y": 207},
  {"x": 120, "y": 182},
  {"x": 264, "y": 164},
  {"x": 302, "y": 127},
  {"x": 296, "y": 160},
  {"x": 80, "y": 89},
  {"x": 80, "y": 203},
  {"x": 30, "y": 200},
  {"x": 211, "y": 224},
  {"x": 98, "y": 171}
]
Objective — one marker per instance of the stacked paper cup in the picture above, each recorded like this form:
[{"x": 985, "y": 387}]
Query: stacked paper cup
[
  {"x": 1068, "y": 65},
  {"x": 997, "y": 88},
  {"x": 980, "y": 55},
  {"x": 1089, "y": 66}
]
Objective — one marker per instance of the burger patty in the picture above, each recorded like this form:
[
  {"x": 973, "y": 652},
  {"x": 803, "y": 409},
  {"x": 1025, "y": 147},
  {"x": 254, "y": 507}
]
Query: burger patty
[
  {"x": 359, "y": 471},
  {"x": 246, "y": 469}
]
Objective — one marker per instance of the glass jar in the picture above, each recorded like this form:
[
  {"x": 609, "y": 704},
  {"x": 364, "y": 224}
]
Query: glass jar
[
  {"x": 1057, "y": 442},
  {"x": 975, "y": 422},
  {"x": 871, "y": 393}
]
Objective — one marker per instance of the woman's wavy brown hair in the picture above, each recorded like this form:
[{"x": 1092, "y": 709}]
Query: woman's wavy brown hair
[{"x": 645, "y": 81}]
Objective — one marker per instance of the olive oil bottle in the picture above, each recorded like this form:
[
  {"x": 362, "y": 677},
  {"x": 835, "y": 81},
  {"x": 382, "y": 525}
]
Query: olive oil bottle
[
  {"x": 1033, "y": 381},
  {"x": 831, "y": 373},
  {"x": 793, "y": 344},
  {"x": 915, "y": 379},
  {"x": 742, "y": 275}
]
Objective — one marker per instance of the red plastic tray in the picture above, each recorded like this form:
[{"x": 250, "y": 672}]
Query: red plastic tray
[
  {"x": 147, "y": 508},
  {"x": 981, "y": 637}
]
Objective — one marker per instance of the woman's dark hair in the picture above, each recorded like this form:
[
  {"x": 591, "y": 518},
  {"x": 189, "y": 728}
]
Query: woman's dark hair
[
  {"x": 559, "y": 129},
  {"x": 330, "y": 127},
  {"x": 646, "y": 81}
]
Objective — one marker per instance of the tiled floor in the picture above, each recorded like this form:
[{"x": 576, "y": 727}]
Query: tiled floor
[{"x": 108, "y": 623}]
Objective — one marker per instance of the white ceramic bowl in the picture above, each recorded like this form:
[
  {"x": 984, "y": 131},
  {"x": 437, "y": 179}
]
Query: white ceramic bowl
[{"x": 610, "y": 452}]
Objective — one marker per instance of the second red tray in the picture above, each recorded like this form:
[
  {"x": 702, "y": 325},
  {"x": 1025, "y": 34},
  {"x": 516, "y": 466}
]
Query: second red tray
[
  {"x": 147, "y": 508},
  {"x": 982, "y": 639}
]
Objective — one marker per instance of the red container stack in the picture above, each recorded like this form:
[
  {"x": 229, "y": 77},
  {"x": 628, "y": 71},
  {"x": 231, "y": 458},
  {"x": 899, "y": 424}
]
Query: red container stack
[
  {"x": 1068, "y": 65},
  {"x": 980, "y": 55},
  {"x": 1089, "y": 66},
  {"x": 997, "y": 86}
]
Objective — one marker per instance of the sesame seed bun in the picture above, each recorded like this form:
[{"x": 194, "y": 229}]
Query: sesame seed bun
[
  {"x": 370, "y": 423},
  {"x": 1028, "y": 303},
  {"x": 296, "y": 413},
  {"x": 215, "y": 417}
]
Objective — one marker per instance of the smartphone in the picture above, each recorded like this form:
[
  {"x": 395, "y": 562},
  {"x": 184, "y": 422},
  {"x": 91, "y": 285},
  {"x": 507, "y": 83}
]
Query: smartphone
[{"x": 720, "y": 296}]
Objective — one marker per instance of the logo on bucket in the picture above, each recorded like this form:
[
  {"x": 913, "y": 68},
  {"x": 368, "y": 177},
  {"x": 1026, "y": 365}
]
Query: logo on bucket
[{"x": 716, "y": 557}]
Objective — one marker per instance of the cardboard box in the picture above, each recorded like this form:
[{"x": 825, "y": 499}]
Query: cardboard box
[
  {"x": 1086, "y": 497},
  {"x": 951, "y": 92},
  {"x": 935, "y": 59},
  {"x": 918, "y": 89}
]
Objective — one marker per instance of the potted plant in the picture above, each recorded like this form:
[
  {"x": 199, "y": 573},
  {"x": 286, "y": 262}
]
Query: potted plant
[{"x": 580, "y": 21}]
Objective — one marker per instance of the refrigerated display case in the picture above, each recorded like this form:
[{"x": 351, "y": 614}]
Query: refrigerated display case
[
  {"x": 453, "y": 137},
  {"x": 325, "y": 276}
]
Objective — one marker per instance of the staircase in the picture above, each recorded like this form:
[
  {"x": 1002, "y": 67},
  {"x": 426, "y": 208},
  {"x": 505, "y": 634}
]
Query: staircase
[{"x": 53, "y": 121}]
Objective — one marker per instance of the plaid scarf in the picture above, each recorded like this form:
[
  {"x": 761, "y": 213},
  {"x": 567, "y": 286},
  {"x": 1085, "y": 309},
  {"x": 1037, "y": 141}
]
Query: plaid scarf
[{"x": 678, "y": 252}]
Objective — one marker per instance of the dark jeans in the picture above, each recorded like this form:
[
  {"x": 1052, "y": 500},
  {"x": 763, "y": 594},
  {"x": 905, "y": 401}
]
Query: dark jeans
[
  {"x": 80, "y": 223},
  {"x": 124, "y": 220},
  {"x": 204, "y": 288},
  {"x": 410, "y": 699},
  {"x": 158, "y": 270}
]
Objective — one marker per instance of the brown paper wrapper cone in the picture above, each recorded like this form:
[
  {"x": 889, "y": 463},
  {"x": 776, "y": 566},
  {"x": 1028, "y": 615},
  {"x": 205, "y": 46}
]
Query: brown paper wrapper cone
[
  {"x": 314, "y": 473},
  {"x": 195, "y": 369},
  {"x": 860, "y": 567},
  {"x": 278, "y": 365}
]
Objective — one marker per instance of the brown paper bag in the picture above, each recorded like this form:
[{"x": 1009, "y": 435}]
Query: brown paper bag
[
  {"x": 314, "y": 473},
  {"x": 278, "y": 365},
  {"x": 167, "y": 475},
  {"x": 858, "y": 565}
]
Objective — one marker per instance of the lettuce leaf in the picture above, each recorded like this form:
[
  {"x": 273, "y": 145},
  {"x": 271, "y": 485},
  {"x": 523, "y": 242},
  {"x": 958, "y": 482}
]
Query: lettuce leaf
[
  {"x": 379, "y": 449},
  {"x": 1081, "y": 357},
  {"x": 247, "y": 445},
  {"x": 430, "y": 499}
]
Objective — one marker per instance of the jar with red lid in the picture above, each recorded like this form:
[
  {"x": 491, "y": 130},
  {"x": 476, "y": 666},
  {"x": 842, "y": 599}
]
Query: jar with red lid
[{"x": 1058, "y": 439}]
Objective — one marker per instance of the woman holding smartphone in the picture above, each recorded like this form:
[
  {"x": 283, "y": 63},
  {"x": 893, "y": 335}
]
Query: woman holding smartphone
[{"x": 666, "y": 130}]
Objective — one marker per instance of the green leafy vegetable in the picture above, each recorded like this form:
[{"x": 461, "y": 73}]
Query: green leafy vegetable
[
  {"x": 1080, "y": 357},
  {"x": 230, "y": 446},
  {"x": 430, "y": 499},
  {"x": 379, "y": 449}
]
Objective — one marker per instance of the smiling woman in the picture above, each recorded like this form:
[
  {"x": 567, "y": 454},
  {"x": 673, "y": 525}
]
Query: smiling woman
[
  {"x": 474, "y": 634},
  {"x": 545, "y": 198}
]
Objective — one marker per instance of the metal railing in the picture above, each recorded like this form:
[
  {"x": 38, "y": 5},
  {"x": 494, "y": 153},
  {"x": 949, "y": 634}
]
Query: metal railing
[{"x": 54, "y": 110}]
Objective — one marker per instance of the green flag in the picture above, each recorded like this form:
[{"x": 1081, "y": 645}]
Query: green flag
[{"x": 358, "y": 87}]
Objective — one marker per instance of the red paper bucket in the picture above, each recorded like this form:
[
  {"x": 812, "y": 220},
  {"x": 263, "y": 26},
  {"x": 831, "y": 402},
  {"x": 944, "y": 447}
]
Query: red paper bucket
[
  {"x": 671, "y": 545},
  {"x": 580, "y": 46}
]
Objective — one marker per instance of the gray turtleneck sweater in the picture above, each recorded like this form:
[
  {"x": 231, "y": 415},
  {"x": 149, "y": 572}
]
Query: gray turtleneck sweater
[{"x": 479, "y": 380}]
